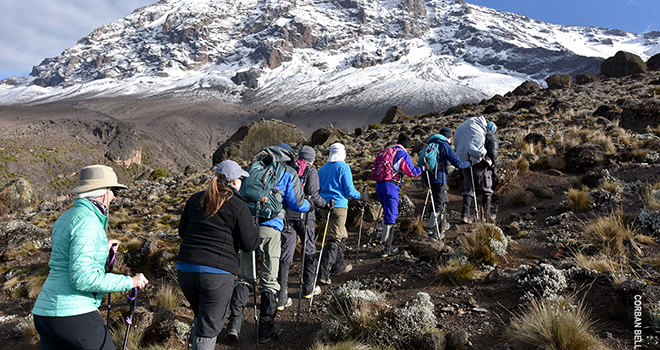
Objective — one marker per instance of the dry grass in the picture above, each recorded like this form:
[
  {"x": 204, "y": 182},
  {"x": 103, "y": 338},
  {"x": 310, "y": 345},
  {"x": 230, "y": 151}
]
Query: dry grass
[
  {"x": 601, "y": 262},
  {"x": 134, "y": 336},
  {"x": 168, "y": 297},
  {"x": 651, "y": 196},
  {"x": 608, "y": 233},
  {"x": 485, "y": 244},
  {"x": 578, "y": 200},
  {"x": 454, "y": 272},
  {"x": 30, "y": 332},
  {"x": 34, "y": 283},
  {"x": 522, "y": 164},
  {"x": 553, "y": 325},
  {"x": 346, "y": 345},
  {"x": 603, "y": 141},
  {"x": 519, "y": 197}
]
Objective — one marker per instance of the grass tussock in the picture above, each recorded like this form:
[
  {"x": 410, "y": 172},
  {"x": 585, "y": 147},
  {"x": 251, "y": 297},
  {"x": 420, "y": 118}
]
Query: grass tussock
[
  {"x": 601, "y": 262},
  {"x": 651, "y": 196},
  {"x": 346, "y": 345},
  {"x": 519, "y": 197},
  {"x": 608, "y": 233},
  {"x": 553, "y": 325},
  {"x": 578, "y": 200},
  {"x": 485, "y": 244},
  {"x": 134, "y": 336},
  {"x": 455, "y": 272},
  {"x": 522, "y": 164},
  {"x": 34, "y": 283},
  {"x": 30, "y": 332},
  {"x": 168, "y": 297}
]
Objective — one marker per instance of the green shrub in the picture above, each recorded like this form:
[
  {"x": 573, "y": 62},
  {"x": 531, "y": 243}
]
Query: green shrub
[{"x": 157, "y": 174}]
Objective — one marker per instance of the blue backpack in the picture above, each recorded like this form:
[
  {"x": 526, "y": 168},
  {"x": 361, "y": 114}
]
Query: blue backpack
[{"x": 429, "y": 155}]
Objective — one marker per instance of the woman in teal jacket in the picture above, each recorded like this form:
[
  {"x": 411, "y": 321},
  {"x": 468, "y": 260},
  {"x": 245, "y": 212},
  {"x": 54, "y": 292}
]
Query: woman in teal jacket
[{"x": 66, "y": 311}]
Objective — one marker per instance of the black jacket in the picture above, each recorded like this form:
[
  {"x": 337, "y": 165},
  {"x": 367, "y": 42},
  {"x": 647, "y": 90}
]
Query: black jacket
[
  {"x": 215, "y": 241},
  {"x": 492, "y": 145},
  {"x": 311, "y": 187}
]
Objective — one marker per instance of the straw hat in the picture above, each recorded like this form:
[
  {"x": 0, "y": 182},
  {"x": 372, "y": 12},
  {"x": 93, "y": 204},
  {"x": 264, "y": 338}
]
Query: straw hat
[{"x": 95, "y": 177}]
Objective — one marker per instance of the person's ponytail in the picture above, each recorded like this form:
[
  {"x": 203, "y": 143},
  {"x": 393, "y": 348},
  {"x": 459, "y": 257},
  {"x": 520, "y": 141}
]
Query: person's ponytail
[{"x": 215, "y": 196}]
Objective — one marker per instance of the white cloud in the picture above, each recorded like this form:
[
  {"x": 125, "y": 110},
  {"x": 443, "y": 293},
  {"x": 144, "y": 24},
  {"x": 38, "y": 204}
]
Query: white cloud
[{"x": 31, "y": 30}]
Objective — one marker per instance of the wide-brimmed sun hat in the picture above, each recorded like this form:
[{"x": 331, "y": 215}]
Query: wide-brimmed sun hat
[{"x": 95, "y": 177}]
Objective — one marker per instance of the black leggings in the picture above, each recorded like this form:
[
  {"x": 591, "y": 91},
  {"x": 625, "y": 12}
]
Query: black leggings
[{"x": 86, "y": 331}]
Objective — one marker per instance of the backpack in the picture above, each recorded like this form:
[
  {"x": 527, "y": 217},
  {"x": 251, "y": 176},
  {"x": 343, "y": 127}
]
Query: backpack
[
  {"x": 383, "y": 167},
  {"x": 259, "y": 188},
  {"x": 470, "y": 137},
  {"x": 302, "y": 165},
  {"x": 429, "y": 156}
]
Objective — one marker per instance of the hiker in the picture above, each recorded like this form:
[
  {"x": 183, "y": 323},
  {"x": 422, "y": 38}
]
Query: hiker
[
  {"x": 388, "y": 191},
  {"x": 336, "y": 185},
  {"x": 288, "y": 191},
  {"x": 214, "y": 225},
  {"x": 66, "y": 311},
  {"x": 475, "y": 140},
  {"x": 296, "y": 226},
  {"x": 435, "y": 176}
]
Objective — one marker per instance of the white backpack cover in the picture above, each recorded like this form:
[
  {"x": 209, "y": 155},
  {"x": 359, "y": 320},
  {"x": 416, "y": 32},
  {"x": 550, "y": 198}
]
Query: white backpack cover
[{"x": 470, "y": 137}]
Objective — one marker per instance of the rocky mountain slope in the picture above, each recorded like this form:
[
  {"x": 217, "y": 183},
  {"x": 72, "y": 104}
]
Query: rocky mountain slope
[
  {"x": 322, "y": 58},
  {"x": 574, "y": 158}
]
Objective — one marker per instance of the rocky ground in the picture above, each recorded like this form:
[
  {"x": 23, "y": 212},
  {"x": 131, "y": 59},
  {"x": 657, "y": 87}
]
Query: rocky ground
[{"x": 590, "y": 137}]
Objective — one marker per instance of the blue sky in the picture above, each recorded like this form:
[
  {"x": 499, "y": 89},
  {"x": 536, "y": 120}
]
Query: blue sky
[
  {"x": 31, "y": 30},
  {"x": 637, "y": 16}
]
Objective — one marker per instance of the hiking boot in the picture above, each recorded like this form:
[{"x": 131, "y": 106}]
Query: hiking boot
[
  {"x": 348, "y": 268},
  {"x": 274, "y": 336},
  {"x": 325, "y": 282},
  {"x": 389, "y": 252},
  {"x": 232, "y": 335},
  {"x": 284, "y": 304},
  {"x": 466, "y": 220},
  {"x": 465, "y": 211},
  {"x": 315, "y": 292}
]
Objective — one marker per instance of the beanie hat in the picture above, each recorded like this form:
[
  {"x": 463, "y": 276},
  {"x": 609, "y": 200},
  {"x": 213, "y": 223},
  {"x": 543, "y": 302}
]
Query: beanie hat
[
  {"x": 404, "y": 141},
  {"x": 446, "y": 132},
  {"x": 307, "y": 153},
  {"x": 490, "y": 126}
]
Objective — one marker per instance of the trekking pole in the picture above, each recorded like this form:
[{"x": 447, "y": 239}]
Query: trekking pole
[
  {"x": 129, "y": 319},
  {"x": 254, "y": 280},
  {"x": 318, "y": 267},
  {"x": 428, "y": 192},
  {"x": 435, "y": 214},
  {"x": 108, "y": 267},
  {"x": 302, "y": 268},
  {"x": 474, "y": 189},
  {"x": 357, "y": 252}
]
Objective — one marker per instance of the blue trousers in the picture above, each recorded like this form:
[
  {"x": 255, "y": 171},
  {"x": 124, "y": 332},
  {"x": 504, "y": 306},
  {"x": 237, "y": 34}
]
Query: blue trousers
[{"x": 388, "y": 196}]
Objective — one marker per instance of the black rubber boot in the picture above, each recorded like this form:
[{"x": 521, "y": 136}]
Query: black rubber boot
[
  {"x": 328, "y": 261},
  {"x": 308, "y": 274},
  {"x": 239, "y": 299},
  {"x": 487, "y": 201},
  {"x": 283, "y": 280},
  {"x": 465, "y": 212},
  {"x": 268, "y": 330}
]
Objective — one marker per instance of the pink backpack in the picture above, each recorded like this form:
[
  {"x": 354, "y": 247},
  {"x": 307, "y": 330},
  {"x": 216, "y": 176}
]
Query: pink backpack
[
  {"x": 302, "y": 165},
  {"x": 383, "y": 168}
]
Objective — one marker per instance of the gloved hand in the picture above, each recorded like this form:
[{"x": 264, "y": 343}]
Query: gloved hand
[
  {"x": 329, "y": 205},
  {"x": 424, "y": 168},
  {"x": 364, "y": 197},
  {"x": 488, "y": 161}
]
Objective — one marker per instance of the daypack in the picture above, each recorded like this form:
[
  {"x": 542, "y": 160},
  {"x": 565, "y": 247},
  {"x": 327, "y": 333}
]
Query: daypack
[
  {"x": 302, "y": 165},
  {"x": 429, "y": 156},
  {"x": 383, "y": 167},
  {"x": 259, "y": 188},
  {"x": 470, "y": 137}
]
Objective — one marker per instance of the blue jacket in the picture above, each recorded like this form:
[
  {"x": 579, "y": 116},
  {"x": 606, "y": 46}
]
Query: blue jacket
[
  {"x": 337, "y": 183},
  {"x": 293, "y": 198},
  {"x": 446, "y": 155},
  {"x": 77, "y": 279}
]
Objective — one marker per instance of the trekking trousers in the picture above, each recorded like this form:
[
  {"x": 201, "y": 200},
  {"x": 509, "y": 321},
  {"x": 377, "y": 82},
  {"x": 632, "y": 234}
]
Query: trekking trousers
[{"x": 270, "y": 251}]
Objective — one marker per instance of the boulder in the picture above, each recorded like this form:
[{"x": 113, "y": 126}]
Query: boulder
[
  {"x": 638, "y": 117},
  {"x": 16, "y": 233},
  {"x": 249, "y": 78},
  {"x": 583, "y": 78},
  {"x": 524, "y": 103},
  {"x": 458, "y": 340},
  {"x": 584, "y": 156},
  {"x": 425, "y": 248},
  {"x": 393, "y": 115},
  {"x": 526, "y": 88},
  {"x": 325, "y": 136},
  {"x": 251, "y": 138},
  {"x": 654, "y": 62},
  {"x": 559, "y": 81},
  {"x": 432, "y": 341},
  {"x": 16, "y": 196},
  {"x": 622, "y": 64},
  {"x": 534, "y": 138},
  {"x": 406, "y": 206}
]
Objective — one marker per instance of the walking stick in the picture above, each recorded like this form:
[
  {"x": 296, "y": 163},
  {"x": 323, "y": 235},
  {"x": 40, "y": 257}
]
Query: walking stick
[
  {"x": 318, "y": 267},
  {"x": 435, "y": 214},
  {"x": 428, "y": 192},
  {"x": 357, "y": 252},
  {"x": 474, "y": 189},
  {"x": 254, "y": 280},
  {"x": 302, "y": 268},
  {"x": 129, "y": 319},
  {"x": 108, "y": 267}
]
